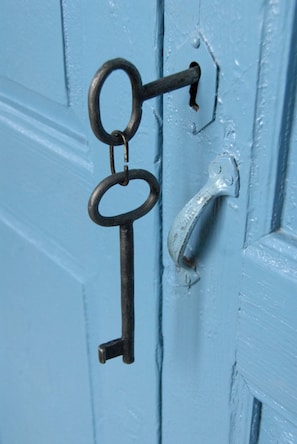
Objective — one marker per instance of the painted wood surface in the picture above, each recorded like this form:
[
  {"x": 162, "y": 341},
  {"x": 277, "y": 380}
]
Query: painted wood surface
[
  {"x": 230, "y": 340},
  {"x": 199, "y": 323},
  {"x": 266, "y": 349},
  {"x": 215, "y": 363},
  {"x": 276, "y": 429},
  {"x": 60, "y": 286}
]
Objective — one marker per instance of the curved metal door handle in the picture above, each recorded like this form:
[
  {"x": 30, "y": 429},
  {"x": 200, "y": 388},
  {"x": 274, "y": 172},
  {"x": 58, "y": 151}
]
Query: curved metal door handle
[{"x": 223, "y": 181}]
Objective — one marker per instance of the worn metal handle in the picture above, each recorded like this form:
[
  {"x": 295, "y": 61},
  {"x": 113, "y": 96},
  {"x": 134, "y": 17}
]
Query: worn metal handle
[{"x": 223, "y": 181}]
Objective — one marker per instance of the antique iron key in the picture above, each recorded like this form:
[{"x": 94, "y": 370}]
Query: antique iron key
[
  {"x": 140, "y": 93},
  {"x": 125, "y": 344}
]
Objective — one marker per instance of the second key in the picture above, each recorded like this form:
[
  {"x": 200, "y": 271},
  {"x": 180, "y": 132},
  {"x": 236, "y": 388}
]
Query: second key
[{"x": 125, "y": 344}]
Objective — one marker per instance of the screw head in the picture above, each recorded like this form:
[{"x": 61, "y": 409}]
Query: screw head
[{"x": 196, "y": 42}]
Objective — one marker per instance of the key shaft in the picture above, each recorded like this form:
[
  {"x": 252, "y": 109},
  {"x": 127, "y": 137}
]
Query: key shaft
[
  {"x": 127, "y": 290},
  {"x": 124, "y": 345}
]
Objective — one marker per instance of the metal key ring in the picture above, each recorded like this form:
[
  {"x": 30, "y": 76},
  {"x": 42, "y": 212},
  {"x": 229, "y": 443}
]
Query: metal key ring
[
  {"x": 126, "y": 156},
  {"x": 130, "y": 216},
  {"x": 94, "y": 98}
]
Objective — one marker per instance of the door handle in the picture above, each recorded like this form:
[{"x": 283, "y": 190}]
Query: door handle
[{"x": 223, "y": 181}]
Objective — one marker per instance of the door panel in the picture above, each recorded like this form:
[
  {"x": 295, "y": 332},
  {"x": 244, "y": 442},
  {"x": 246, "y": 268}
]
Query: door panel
[
  {"x": 60, "y": 283},
  {"x": 267, "y": 319},
  {"x": 43, "y": 331},
  {"x": 199, "y": 323},
  {"x": 267, "y": 334},
  {"x": 35, "y": 47},
  {"x": 230, "y": 339}
]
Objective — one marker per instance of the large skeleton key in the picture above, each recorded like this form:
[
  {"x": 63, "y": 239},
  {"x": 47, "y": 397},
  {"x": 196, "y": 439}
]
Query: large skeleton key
[{"x": 125, "y": 345}]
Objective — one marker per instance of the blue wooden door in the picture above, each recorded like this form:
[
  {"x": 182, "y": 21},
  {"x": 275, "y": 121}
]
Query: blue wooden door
[
  {"x": 60, "y": 282},
  {"x": 216, "y": 361},
  {"x": 230, "y": 363}
]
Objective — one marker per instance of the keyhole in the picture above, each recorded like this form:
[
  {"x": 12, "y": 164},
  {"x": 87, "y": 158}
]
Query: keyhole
[{"x": 193, "y": 89}]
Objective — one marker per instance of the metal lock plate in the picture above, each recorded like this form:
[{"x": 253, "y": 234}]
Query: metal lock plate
[{"x": 195, "y": 49}]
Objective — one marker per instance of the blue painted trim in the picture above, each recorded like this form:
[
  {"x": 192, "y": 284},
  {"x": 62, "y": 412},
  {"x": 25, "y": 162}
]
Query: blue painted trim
[
  {"x": 159, "y": 39},
  {"x": 288, "y": 115}
]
